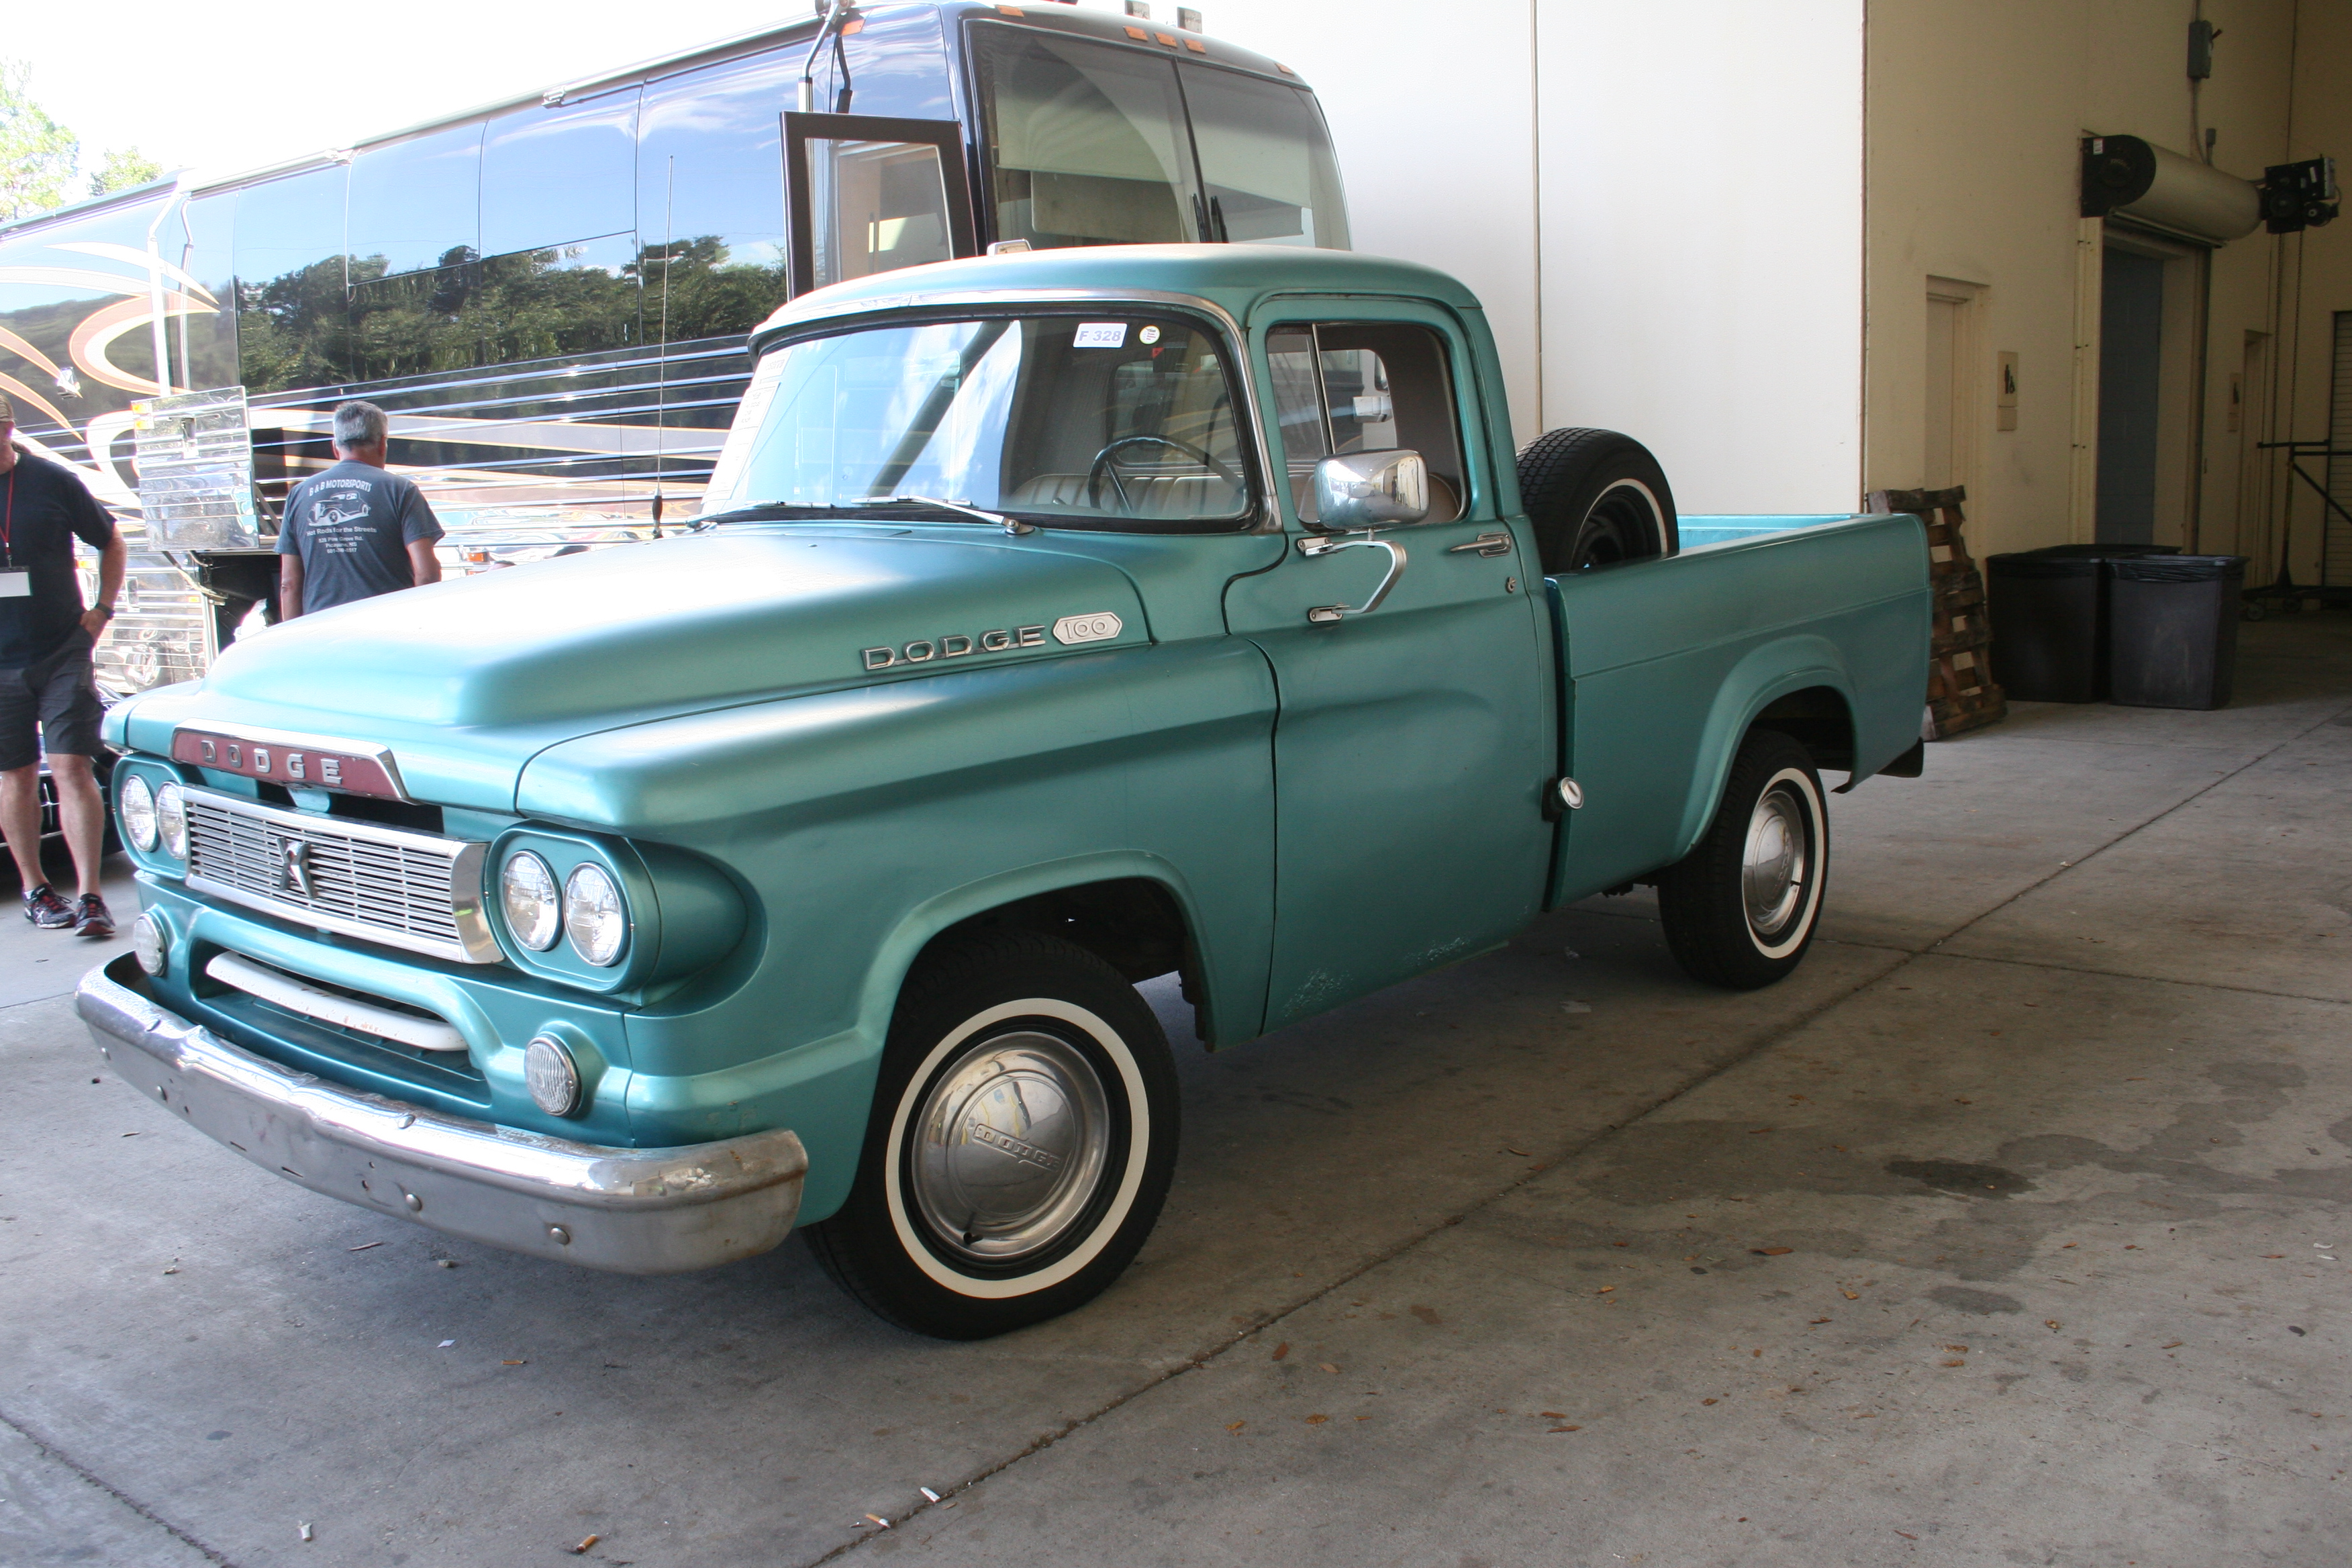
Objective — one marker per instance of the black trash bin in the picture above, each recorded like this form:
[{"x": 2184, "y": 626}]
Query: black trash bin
[
  {"x": 2047, "y": 638},
  {"x": 2172, "y": 625},
  {"x": 2048, "y": 614}
]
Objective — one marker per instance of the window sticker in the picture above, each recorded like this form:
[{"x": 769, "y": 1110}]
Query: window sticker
[
  {"x": 1100, "y": 335},
  {"x": 1149, "y": 335}
]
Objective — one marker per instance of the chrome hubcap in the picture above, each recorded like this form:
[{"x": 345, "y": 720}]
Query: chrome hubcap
[
  {"x": 1773, "y": 869},
  {"x": 1010, "y": 1147}
]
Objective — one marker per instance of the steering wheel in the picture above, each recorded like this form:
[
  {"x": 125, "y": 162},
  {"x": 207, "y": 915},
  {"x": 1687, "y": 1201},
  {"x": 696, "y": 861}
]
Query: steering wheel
[{"x": 1104, "y": 464}]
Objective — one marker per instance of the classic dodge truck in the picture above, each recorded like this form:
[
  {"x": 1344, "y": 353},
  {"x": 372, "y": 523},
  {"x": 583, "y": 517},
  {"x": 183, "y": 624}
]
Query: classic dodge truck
[{"x": 1055, "y": 622}]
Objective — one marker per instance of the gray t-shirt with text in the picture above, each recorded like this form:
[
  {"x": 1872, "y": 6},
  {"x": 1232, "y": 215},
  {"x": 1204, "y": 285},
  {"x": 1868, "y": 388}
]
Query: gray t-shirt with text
[{"x": 351, "y": 526}]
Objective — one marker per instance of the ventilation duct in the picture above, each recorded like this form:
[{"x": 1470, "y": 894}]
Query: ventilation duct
[{"x": 2126, "y": 177}]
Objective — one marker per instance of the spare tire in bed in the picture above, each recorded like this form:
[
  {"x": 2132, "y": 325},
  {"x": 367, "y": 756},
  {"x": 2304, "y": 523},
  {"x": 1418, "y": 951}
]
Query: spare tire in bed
[{"x": 1595, "y": 497}]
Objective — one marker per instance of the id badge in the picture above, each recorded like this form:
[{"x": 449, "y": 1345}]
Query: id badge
[{"x": 15, "y": 584}]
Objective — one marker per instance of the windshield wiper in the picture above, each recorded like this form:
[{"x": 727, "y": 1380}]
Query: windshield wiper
[
  {"x": 1010, "y": 525},
  {"x": 757, "y": 511},
  {"x": 768, "y": 511}
]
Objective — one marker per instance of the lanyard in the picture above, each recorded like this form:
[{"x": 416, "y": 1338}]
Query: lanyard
[{"x": 8, "y": 523}]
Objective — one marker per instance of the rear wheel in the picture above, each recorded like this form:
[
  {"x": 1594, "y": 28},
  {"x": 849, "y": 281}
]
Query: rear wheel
[
  {"x": 1022, "y": 1139},
  {"x": 1741, "y": 908},
  {"x": 1595, "y": 497}
]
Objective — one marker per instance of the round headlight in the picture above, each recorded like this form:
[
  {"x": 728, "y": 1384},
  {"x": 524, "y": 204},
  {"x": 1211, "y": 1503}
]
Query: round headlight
[
  {"x": 136, "y": 802},
  {"x": 527, "y": 888},
  {"x": 171, "y": 820},
  {"x": 593, "y": 915},
  {"x": 551, "y": 1076}
]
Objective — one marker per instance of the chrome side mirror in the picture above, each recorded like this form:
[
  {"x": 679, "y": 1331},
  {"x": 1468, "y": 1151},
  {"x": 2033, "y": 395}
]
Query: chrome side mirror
[{"x": 1358, "y": 490}]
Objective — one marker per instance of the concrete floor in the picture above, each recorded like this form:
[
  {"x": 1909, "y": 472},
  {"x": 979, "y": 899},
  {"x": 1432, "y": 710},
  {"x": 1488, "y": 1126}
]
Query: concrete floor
[{"x": 2004, "y": 1233}]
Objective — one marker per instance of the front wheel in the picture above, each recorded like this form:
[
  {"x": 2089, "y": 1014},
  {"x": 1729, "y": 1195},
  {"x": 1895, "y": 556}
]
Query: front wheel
[
  {"x": 1741, "y": 908},
  {"x": 1021, "y": 1143}
]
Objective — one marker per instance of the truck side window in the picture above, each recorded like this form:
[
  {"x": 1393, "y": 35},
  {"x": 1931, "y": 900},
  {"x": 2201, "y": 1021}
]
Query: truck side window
[{"x": 1365, "y": 386}]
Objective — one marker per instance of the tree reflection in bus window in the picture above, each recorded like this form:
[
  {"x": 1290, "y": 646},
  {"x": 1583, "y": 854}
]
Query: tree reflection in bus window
[
  {"x": 291, "y": 320},
  {"x": 1089, "y": 142},
  {"x": 558, "y": 301}
]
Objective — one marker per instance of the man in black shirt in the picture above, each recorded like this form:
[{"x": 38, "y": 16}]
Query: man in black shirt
[
  {"x": 355, "y": 530},
  {"x": 47, "y": 678}
]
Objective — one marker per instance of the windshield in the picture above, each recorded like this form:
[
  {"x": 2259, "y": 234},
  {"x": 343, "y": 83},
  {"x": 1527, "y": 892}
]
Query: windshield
[
  {"x": 1265, "y": 160},
  {"x": 1109, "y": 422}
]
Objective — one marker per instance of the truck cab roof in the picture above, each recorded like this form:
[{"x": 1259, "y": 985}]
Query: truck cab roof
[{"x": 1235, "y": 278}]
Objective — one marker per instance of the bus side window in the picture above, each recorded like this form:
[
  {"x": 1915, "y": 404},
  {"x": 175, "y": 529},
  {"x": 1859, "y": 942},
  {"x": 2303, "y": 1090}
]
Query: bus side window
[
  {"x": 416, "y": 203},
  {"x": 710, "y": 198},
  {"x": 289, "y": 282},
  {"x": 552, "y": 176}
]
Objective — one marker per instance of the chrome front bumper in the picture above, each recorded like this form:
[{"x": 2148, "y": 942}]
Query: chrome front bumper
[{"x": 635, "y": 1211}]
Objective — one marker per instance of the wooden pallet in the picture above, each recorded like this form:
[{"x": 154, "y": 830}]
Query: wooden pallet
[{"x": 1961, "y": 695}]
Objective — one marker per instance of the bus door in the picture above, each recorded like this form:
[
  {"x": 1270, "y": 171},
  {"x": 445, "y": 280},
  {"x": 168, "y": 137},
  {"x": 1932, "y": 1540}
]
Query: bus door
[{"x": 868, "y": 193}]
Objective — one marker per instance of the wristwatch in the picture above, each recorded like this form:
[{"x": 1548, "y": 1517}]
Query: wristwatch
[{"x": 106, "y": 610}]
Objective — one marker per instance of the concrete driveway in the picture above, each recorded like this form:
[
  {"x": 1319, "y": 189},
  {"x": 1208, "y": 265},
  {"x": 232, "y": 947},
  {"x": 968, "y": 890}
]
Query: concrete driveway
[{"x": 2005, "y": 1232}]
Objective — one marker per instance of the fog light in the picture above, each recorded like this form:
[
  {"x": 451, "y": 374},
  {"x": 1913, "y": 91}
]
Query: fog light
[
  {"x": 551, "y": 1076},
  {"x": 152, "y": 942}
]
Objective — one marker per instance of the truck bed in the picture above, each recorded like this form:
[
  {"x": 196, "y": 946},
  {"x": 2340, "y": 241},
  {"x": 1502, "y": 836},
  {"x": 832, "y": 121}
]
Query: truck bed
[{"x": 1666, "y": 662}]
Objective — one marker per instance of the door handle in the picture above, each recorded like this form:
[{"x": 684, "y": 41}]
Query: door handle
[
  {"x": 1323, "y": 615},
  {"x": 1495, "y": 543}
]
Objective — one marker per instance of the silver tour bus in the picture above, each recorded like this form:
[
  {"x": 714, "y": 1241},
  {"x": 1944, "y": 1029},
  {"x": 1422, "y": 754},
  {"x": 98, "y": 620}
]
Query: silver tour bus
[{"x": 549, "y": 295}]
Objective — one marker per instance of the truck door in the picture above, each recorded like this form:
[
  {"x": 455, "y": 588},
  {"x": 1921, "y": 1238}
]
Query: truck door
[
  {"x": 1412, "y": 739},
  {"x": 866, "y": 194}
]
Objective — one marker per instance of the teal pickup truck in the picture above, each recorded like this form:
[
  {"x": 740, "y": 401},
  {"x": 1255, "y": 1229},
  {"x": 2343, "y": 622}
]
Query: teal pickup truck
[{"x": 1054, "y": 622}]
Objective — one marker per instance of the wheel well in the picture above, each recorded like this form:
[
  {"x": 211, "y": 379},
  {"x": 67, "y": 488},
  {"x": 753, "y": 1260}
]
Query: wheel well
[
  {"x": 1133, "y": 923},
  {"x": 1819, "y": 719}
]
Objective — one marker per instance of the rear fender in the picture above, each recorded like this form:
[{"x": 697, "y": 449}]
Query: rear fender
[{"x": 1767, "y": 673}]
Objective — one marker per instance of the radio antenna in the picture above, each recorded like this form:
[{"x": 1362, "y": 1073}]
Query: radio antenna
[{"x": 661, "y": 354}]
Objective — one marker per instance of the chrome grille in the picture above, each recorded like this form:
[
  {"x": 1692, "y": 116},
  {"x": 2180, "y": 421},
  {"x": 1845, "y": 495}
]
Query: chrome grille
[{"x": 415, "y": 890}]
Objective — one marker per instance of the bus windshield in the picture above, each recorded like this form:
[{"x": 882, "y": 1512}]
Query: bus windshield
[{"x": 1111, "y": 422}]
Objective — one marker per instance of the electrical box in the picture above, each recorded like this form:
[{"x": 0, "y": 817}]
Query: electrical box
[{"x": 2202, "y": 34}]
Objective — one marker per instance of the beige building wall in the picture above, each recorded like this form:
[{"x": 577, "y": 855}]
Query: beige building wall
[{"x": 1975, "y": 107}]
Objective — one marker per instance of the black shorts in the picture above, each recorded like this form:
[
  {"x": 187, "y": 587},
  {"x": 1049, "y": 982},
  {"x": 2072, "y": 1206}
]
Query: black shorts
[{"x": 59, "y": 693}]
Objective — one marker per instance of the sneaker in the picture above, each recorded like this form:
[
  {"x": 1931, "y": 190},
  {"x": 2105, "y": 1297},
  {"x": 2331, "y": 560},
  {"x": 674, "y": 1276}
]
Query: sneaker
[
  {"x": 46, "y": 910},
  {"x": 92, "y": 918}
]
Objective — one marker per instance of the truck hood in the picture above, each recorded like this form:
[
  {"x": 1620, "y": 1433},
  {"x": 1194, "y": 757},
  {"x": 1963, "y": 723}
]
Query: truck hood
[{"x": 467, "y": 679}]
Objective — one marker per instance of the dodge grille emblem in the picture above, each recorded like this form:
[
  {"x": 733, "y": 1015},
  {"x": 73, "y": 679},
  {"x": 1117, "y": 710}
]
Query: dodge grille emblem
[{"x": 296, "y": 855}]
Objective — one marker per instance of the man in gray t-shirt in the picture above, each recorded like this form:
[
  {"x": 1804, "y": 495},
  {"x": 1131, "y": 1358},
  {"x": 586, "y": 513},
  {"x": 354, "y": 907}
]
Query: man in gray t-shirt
[{"x": 355, "y": 531}]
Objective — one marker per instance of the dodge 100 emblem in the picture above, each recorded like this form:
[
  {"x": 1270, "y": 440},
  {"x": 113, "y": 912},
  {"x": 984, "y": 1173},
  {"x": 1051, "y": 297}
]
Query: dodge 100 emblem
[
  {"x": 296, "y": 852},
  {"x": 1100, "y": 626}
]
